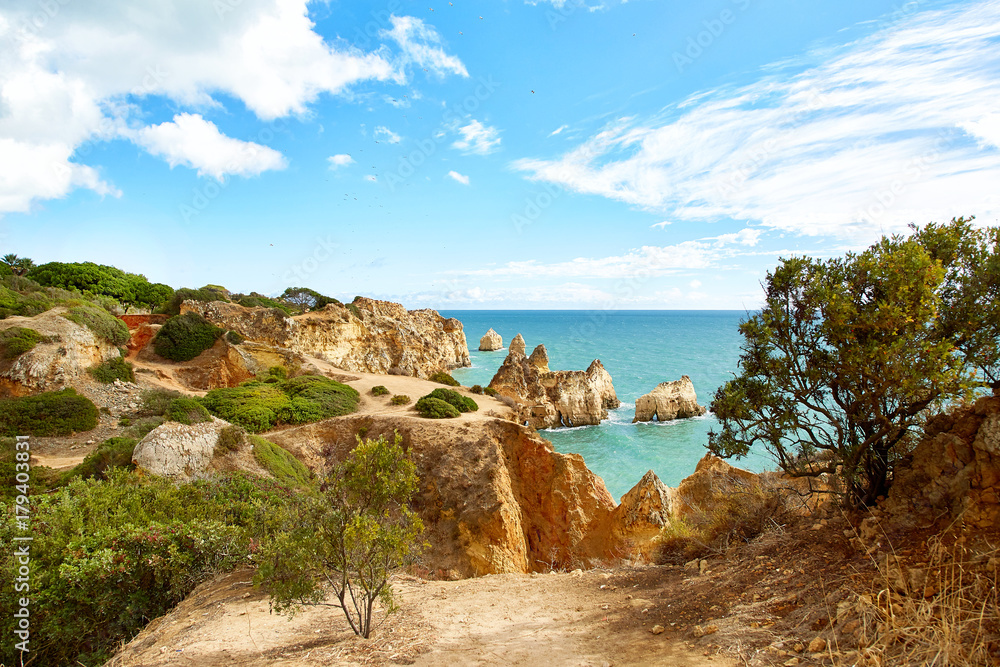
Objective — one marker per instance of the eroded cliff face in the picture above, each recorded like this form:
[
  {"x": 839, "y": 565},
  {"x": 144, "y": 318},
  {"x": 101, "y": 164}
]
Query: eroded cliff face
[
  {"x": 68, "y": 350},
  {"x": 380, "y": 337},
  {"x": 668, "y": 401},
  {"x": 551, "y": 399},
  {"x": 494, "y": 496}
]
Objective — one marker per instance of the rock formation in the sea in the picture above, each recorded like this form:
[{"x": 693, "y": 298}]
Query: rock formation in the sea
[
  {"x": 551, "y": 399},
  {"x": 669, "y": 400},
  {"x": 369, "y": 336},
  {"x": 494, "y": 496},
  {"x": 490, "y": 342},
  {"x": 65, "y": 352}
]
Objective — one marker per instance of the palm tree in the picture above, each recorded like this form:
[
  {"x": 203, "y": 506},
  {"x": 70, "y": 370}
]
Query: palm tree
[{"x": 18, "y": 265}]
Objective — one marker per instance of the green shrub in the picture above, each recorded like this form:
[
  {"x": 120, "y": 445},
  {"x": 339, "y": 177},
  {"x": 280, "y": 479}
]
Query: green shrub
[
  {"x": 102, "y": 282},
  {"x": 254, "y": 300},
  {"x": 476, "y": 389},
  {"x": 207, "y": 293},
  {"x": 444, "y": 378},
  {"x": 454, "y": 399},
  {"x": 380, "y": 390},
  {"x": 156, "y": 401},
  {"x": 51, "y": 413},
  {"x": 141, "y": 428},
  {"x": 184, "y": 337},
  {"x": 281, "y": 463},
  {"x": 112, "y": 453},
  {"x": 277, "y": 372},
  {"x": 435, "y": 408},
  {"x": 113, "y": 369},
  {"x": 234, "y": 337},
  {"x": 489, "y": 391},
  {"x": 400, "y": 399},
  {"x": 125, "y": 421},
  {"x": 230, "y": 439},
  {"x": 258, "y": 406},
  {"x": 17, "y": 340},
  {"x": 187, "y": 411},
  {"x": 101, "y": 322}
]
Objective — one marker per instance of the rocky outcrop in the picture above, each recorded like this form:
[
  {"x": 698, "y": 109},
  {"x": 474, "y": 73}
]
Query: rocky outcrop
[
  {"x": 185, "y": 453},
  {"x": 644, "y": 511},
  {"x": 494, "y": 496},
  {"x": 698, "y": 492},
  {"x": 954, "y": 471},
  {"x": 550, "y": 399},
  {"x": 667, "y": 401},
  {"x": 66, "y": 352},
  {"x": 491, "y": 342},
  {"x": 366, "y": 336}
]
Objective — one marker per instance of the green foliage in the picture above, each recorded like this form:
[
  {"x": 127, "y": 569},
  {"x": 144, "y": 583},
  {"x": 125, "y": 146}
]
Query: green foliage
[
  {"x": 184, "y": 337},
  {"x": 258, "y": 406},
  {"x": 51, "y": 413},
  {"x": 435, "y": 408},
  {"x": 15, "y": 265},
  {"x": 155, "y": 402},
  {"x": 400, "y": 399},
  {"x": 842, "y": 360},
  {"x": 187, "y": 411},
  {"x": 17, "y": 340},
  {"x": 489, "y": 391},
  {"x": 353, "y": 537},
  {"x": 444, "y": 378},
  {"x": 278, "y": 372},
  {"x": 305, "y": 299},
  {"x": 207, "y": 293},
  {"x": 454, "y": 399},
  {"x": 281, "y": 463},
  {"x": 109, "y": 555},
  {"x": 234, "y": 338},
  {"x": 96, "y": 280},
  {"x": 112, "y": 453},
  {"x": 254, "y": 300},
  {"x": 113, "y": 369},
  {"x": 380, "y": 390},
  {"x": 20, "y": 296},
  {"x": 101, "y": 322},
  {"x": 231, "y": 439},
  {"x": 476, "y": 389}
]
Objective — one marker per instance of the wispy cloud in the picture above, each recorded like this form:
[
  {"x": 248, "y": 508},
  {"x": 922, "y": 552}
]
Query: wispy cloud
[
  {"x": 340, "y": 160},
  {"x": 194, "y": 142},
  {"x": 420, "y": 44},
  {"x": 383, "y": 133},
  {"x": 461, "y": 178},
  {"x": 558, "y": 130},
  {"x": 477, "y": 138},
  {"x": 897, "y": 127}
]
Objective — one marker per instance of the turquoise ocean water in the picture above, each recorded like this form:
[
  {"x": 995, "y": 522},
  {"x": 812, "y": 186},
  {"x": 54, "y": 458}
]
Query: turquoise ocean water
[{"x": 639, "y": 349}]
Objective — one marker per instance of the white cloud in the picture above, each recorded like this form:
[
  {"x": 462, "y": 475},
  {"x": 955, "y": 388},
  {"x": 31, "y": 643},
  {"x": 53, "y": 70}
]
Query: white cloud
[
  {"x": 85, "y": 73},
  {"x": 464, "y": 180},
  {"x": 371, "y": 178},
  {"x": 477, "y": 138},
  {"x": 383, "y": 133},
  {"x": 420, "y": 46},
  {"x": 194, "y": 142},
  {"x": 558, "y": 130},
  {"x": 340, "y": 160},
  {"x": 900, "y": 126}
]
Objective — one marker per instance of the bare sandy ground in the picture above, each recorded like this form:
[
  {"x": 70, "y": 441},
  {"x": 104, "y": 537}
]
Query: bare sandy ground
[{"x": 579, "y": 618}]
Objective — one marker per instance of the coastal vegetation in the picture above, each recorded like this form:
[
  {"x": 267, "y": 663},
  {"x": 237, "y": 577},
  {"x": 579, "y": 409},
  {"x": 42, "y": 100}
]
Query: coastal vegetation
[
  {"x": 444, "y": 378},
  {"x": 184, "y": 337},
  {"x": 435, "y": 408},
  {"x": 62, "y": 412},
  {"x": 97, "y": 319},
  {"x": 380, "y": 390},
  {"x": 454, "y": 399},
  {"x": 17, "y": 340},
  {"x": 187, "y": 410},
  {"x": 113, "y": 369},
  {"x": 98, "y": 280}
]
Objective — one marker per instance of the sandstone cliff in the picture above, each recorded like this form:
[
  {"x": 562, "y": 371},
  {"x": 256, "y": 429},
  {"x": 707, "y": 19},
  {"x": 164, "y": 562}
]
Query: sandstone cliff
[
  {"x": 490, "y": 342},
  {"x": 494, "y": 496},
  {"x": 669, "y": 400},
  {"x": 551, "y": 399},
  {"x": 371, "y": 337},
  {"x": 68, "y": 350}
]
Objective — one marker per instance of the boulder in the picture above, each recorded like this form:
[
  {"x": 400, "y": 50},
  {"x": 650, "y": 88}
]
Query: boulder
[
  {"x": 490, "y": 342},
  {"x": 550, "y": 399},
  {"x": 179, "y": 451},
  {"x": 667, "y": 401},
  {"x": 368, "y": 336},
  {"x": 66, "y": 352}
]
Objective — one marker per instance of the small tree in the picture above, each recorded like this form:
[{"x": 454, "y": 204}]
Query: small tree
[
  {"x": 306, "y": 299},
  {"x": 18, "y": 265},
  {"x": 841, "y": 361},
  {"x": 351, "y": 538}
]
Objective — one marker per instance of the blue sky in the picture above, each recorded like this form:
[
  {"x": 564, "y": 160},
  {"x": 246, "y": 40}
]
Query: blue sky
[{"x": 641, "y": 154}]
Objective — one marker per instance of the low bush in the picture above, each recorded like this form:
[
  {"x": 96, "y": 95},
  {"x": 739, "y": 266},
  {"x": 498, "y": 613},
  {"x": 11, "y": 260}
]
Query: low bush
[
  {"x": 113, "y": 369},
  {"x": 156, "y": 401},
  {"x": 234, "y": 338},
  {"x": 489, "y": 391},
  {"x": 444, "y": 378},
  {"x": 17, "y": 340},
  {"x": 277, "y": 372},
  {"x": 400, "y": 399},
  {"x": 207, "y": 293},
  {"x": 254, "y": 300},
  {"x": 16, "y": 300},
  {"x": 231, "y": 439},
  {"x": 281, "y": 463},
  {"x": 380, "y": 390},
  {"x": 51, "y": 413},
  {"x": 184, "y": 337},
  {"x": 101, "y": 322},
  {"x": 258, "y": 406},
  {"x": 187, "y": 411},
  {"x": 435, "y": 408},
  {"x": 454, "y": 399},
  {"x": 476, "y": 389},
  {"x": 112, "y": 453}
]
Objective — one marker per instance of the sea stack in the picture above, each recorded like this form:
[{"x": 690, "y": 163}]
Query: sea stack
[
  {"x": 669, "y": 400},
  {"x": 490, "y": 342}
]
